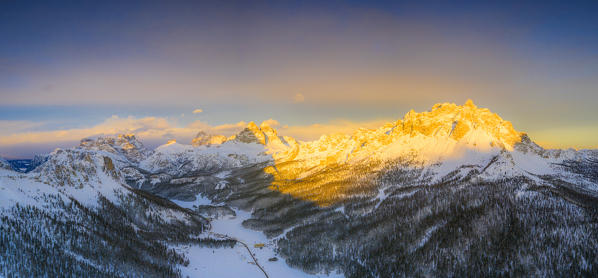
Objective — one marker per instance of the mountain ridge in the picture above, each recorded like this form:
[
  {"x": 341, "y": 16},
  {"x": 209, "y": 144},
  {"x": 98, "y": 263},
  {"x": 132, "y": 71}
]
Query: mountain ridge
[
  {"x": 466, "y": 125},
  {"x": 444, "y": 188}
]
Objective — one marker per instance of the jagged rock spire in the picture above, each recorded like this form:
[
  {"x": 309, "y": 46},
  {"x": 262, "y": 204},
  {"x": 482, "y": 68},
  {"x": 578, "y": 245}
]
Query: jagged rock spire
[
  {"x": 203, "y": 138},
  {"x": 126, "y": 144}
]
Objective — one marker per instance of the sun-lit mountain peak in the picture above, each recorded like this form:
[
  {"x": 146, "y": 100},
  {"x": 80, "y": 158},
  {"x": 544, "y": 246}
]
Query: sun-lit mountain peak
[
  {"x": 252, "y": 126},
  {"x": 469, "y": 103},
  {"x": 268, "y": 130},
  {"x": 263, "y": 134},
  {"x": 447, "y": 130},
  {"x": 171, "y": 141},
  {"x": 251, "y": 134},
  {"x": 445, "y": 135},
  {"x": 459, "y": 123}
]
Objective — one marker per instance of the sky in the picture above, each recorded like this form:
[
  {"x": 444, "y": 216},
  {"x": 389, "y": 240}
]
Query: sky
[{"x": 166, "y": 69}]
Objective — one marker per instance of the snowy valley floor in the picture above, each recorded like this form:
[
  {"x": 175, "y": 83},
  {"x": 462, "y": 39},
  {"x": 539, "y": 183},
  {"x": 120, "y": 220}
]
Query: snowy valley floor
[{"x": 236, "y": 262}]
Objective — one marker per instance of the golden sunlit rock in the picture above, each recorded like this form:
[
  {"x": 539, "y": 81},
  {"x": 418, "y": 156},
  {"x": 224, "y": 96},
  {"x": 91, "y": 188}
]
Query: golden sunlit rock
[
  {"x": 323, "y": 171},
  {"x": 202, "y": 138}
]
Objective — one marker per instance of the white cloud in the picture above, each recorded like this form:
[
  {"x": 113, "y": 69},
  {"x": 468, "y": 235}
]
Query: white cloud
[
  {"x": 110, "y": 126},
  {"x": 580, "y": 137},
  {"x": 8, "y": 127},
  {"x": 298, "y": 98},
  {"x": 154, "y": 131},
  {"x": 20, "y": 138},
  {"x": 314, "y": 131},
  {"x": 224, "y": 129},
  {"x": 271, "y": 122},
  {"x": 197, "y": 111}
]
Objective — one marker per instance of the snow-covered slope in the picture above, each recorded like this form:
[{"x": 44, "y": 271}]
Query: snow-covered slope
[
  {"x": 177, "y": 159},
  {"x": 281, "y": 186},
  {"x": 75, "y": 216}
]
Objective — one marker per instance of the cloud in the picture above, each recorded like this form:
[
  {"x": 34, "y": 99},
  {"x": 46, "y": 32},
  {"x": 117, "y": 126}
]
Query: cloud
[
  {"x": 197, "y": 111},
  {"x": 314, "y": 131},
  {"x": 271, "y": 122},
  {"x": 298, "y": 98},
  {"x": 580, "y": 137},
  {"x": 112, "y": 125},
  {"x": 224, "y": 129},
  {"x": 21, "y": 138},
  {"x": 18, "y": 136},
  {"x": 8, "y": 127}
]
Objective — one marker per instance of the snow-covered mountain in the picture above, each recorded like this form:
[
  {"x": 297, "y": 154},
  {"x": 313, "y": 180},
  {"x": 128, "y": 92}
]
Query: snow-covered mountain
[
  {"x": 447, "y": 132},
  {"x": 432, "y": 188},
  {"x": 4, "y": 164},
  {"x": 73, "y": 216},
  {"x": 441, "y": 140}
]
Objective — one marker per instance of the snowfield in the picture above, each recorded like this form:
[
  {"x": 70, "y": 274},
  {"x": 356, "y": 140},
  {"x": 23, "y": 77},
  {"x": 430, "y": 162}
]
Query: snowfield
[{"x": 236, "y": 262}]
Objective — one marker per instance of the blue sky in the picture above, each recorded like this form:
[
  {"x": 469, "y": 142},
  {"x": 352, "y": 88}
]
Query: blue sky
[{"x": 68, "y": 65}]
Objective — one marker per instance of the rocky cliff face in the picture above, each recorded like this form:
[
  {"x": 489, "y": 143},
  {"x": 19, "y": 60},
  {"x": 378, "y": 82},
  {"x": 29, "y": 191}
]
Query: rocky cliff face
[
  {"x": 204, "y": 139},
  {"x": 439, "y": 133},
  {"x": 5, "y": 164},
  {"x": 124, "y": 144}
]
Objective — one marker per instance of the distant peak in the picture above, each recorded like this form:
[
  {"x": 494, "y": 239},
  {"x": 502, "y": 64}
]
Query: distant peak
[
  {"x": 252, "y": 126},
  {"x": 469, "y": 103},
  {"x": 204, "y": 138},
  {"x": 265, "y": 134},
  {"x": 126, "y": 144},
  {"x": 4, "y": 164},
  {"x": 119, "y": 139},
  {"x": 127, "y": 136},
  {"x": 251, "y": 134}
]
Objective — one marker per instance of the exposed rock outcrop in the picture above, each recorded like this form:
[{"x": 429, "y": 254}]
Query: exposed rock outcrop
[{"x": 204, "y": 139}]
